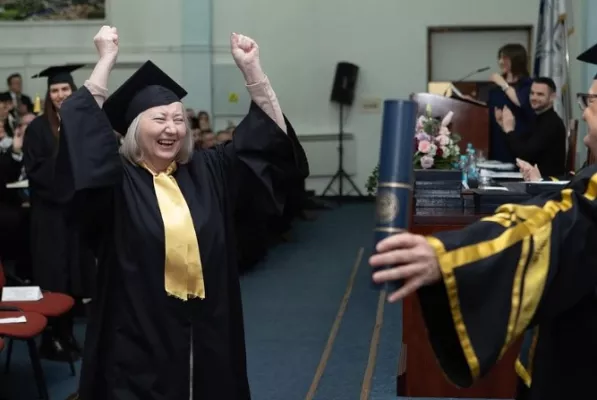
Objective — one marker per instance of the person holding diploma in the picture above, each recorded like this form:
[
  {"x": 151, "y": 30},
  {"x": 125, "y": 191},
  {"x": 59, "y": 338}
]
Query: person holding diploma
[
  {"x": 167, "y": 320},
  {"x": 530, "y": 267}
]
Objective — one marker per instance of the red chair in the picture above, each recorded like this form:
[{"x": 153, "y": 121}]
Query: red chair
[
  {"x": 26, "y": 332},
  {"x": 52, "y": 305}
]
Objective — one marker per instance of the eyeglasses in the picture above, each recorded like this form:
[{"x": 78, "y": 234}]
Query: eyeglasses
[{"x": 585, "y": 99}]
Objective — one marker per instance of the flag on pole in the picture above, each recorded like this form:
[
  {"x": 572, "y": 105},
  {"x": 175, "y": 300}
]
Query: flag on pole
[{"x": 551, "y": 50}]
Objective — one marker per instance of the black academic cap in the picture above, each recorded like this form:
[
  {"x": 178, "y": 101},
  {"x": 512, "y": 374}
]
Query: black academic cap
[
  {"x": 148, "y": 87},
  {"x": 59, "y": 73},
  {"x": 589, "y": 56}
]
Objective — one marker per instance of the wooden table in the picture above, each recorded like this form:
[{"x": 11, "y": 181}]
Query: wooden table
[{"x": 423, "y": 376}]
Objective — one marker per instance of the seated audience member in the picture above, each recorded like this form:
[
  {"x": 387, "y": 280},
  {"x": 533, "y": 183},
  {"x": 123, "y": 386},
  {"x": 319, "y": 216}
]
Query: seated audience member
[
  {"x": 7, "y": 116},
  {"x": 196, "y": 138},
  {"x": 203, "y": 121},
  {"x": 208, "y": 139},
  {"x": 14, "y": 238},
  {"x": 224, "y": 136},
  {"x": 22, "y": 103},
  {"x": 544, "y": 144}
]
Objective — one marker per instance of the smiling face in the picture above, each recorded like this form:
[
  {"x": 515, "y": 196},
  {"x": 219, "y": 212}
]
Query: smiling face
[
  {"x": 161, "y": 134},
  {"x": 541, "y": 97},
  {"x": 58, "y": 93}
]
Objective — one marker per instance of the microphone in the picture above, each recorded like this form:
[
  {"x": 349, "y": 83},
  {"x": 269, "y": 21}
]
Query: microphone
[{"x": 477, "y": 71}]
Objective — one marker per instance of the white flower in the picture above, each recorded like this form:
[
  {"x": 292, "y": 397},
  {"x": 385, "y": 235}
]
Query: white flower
[
  {"x": 426, "y": 162},
  {"x": 447, "y": 119},
  {"x": 432, "y": 150},
  {"x": 443, "y": 140},
  {"x": 445, "y": 152}
]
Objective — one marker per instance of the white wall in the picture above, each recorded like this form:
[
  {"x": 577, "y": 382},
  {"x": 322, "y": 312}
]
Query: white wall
[
  {"x": 301, "y": 41},
  {"x": 148, "y": 30}
]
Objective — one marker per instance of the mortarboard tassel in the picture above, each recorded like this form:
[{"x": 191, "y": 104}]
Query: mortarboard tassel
[{"x": 37, "y": 104}]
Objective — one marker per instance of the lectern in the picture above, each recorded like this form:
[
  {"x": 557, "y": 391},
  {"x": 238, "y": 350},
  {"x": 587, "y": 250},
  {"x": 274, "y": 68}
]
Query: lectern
[{"x": 470, "y": 120}]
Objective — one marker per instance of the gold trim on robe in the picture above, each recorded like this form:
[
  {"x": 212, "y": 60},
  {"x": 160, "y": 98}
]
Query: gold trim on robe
[{"x": 524, "y": 224}]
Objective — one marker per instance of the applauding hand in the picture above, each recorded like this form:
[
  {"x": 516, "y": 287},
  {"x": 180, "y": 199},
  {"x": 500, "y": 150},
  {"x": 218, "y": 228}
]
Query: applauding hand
[{"x": 529, "y": 172}]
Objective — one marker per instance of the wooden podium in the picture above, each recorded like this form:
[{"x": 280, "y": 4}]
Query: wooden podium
[
  {"x": 421, "y": 375},
  {"x": 470, "y": 120}
]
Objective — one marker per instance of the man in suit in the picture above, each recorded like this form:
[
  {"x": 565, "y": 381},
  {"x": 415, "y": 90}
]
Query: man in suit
[{"x": 22, "y": 103}]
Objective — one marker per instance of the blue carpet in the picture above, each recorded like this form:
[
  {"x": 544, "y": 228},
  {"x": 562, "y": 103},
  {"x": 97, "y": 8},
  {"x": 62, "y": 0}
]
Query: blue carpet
[{"x": 291, "y": 304}]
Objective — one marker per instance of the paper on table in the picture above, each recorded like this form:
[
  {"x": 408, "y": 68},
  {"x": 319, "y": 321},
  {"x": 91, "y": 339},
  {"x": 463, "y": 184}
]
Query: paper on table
[
  {"x": 495, "y": 188},
  {"x": 24, "y": 184},
  {"x": 550, "y": 183},
  {"x": 21, "y": 293},
  {"x": 17, "y": 320}
]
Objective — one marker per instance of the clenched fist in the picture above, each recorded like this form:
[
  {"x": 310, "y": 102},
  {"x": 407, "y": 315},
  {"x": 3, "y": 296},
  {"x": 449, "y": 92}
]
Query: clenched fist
[
  {"x": 106, "y": 42},
  {"x": 245, "y": 52}
]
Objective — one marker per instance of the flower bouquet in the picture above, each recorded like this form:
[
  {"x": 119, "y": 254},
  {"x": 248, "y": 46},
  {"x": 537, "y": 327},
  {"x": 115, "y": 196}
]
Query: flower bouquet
[{"x": 436, "y": 147}]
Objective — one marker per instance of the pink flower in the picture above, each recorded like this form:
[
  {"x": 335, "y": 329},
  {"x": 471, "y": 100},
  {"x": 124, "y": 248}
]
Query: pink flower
[
  {"x": 424, "y": 146},
  {"x": 426, "y": 162},
  {"x": 443, "y": 140}
]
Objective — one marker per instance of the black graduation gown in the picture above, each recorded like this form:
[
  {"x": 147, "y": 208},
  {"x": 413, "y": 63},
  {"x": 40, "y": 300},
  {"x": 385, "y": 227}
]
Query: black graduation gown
[
  {"x": 138, "y": 343},
  {"x": 528, "y": 266},
  {"x": 61, "y": 261},
  {"x": 11, "y": 213}
]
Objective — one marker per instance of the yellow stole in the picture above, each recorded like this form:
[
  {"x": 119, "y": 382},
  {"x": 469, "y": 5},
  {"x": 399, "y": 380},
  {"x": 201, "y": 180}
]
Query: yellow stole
[{"x": 183, "y": 273}]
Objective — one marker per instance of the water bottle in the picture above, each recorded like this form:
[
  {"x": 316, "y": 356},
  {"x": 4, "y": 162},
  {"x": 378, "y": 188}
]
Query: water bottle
[
  {"x": 463, "y": 166},
  {"x": 472, "y": 162}
]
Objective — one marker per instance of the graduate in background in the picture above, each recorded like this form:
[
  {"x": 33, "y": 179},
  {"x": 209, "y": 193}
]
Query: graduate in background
[
  {"x": 61, "y": 261},
  {"x": 530, "y": 266},
  {"x": 167, "y": 323}
]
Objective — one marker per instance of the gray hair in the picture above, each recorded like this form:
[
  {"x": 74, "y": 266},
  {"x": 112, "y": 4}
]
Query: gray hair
[{"x": 131, "y": 150}]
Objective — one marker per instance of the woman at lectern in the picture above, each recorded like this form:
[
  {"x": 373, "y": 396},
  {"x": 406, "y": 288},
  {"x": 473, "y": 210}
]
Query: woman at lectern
[{"x": 513, "y": 86}]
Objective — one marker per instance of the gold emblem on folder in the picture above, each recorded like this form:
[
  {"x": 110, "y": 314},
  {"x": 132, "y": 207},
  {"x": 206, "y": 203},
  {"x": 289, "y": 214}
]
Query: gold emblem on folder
[{"x": 387, "y": 206}]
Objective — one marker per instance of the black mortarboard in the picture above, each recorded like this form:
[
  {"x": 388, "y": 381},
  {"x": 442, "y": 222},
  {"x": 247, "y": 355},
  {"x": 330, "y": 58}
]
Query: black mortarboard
[
  {"x": 589, "y": 56},
  {"x": 59, "y": 73},
  {"x": 148, "y": 87},
  {"x": 5, "y": 96}
]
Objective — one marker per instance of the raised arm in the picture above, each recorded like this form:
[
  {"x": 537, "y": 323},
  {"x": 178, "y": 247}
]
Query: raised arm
[
  {"x": 265, "y": 153},
  {"x": 88, "y": 152},
  {"x": 482, "y": 287}
]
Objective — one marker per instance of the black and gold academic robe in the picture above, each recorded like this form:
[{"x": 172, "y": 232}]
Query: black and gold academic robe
[
  {"x": 140, "y": 340},
  {"x": 531, "y": 266},
  {"x": 61, "y": 260}
]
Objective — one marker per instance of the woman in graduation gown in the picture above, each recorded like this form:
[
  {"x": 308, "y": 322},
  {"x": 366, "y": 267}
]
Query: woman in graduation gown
[
  {"x": 529, "y": 268},
  {"x": 61, "y": 261},
  {"x": 167, "y": 319}
]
